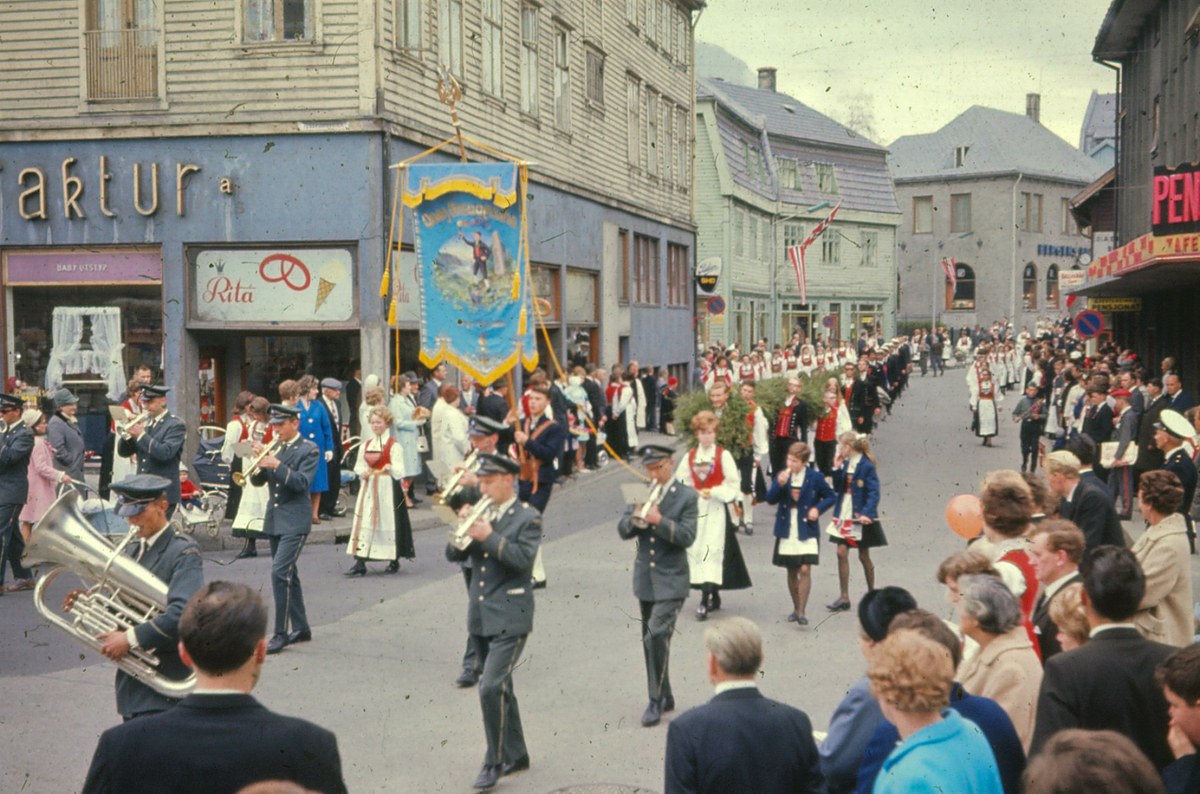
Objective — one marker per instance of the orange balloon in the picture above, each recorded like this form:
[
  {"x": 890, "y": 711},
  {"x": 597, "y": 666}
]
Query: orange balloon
[{"x": 964, "y": 514}]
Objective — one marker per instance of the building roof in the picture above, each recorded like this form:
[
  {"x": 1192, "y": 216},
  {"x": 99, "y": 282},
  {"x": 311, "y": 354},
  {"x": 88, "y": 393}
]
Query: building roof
[
  {"x": 1121, "y": 26},
  {"x": 998, "y": 142},
  {"x": 1099, "y": 121}
]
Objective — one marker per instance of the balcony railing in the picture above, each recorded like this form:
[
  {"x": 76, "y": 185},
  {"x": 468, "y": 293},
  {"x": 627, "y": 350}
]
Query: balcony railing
[{"x": 121, "y": 64}]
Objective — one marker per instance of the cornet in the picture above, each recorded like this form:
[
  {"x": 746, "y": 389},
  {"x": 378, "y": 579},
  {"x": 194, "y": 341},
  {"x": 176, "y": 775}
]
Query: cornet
[
  {"x": 123, "y": 429},
  {"x": 452, "y": 487},
  {"x": 639, "y": 517},
  {"x": 240, "y": 478},
  {"x": 459, "y": 538}
]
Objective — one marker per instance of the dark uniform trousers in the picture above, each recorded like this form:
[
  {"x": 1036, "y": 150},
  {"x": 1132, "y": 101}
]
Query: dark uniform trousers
[
  {"x": 287, "y": 523},
  {"x": 16, "y": 446},
  {"x": 660, "y": 578},
  {"x": 499, "y": 619}
]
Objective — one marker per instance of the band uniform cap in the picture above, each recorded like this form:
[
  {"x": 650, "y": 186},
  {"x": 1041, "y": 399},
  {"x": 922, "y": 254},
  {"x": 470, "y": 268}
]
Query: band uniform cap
[
  {"x": 653, "y": 453},
  {"x": 331, "y": 383},
  {"x": 485, "y": 426},
  {"x": 137, "y": 491},
  {"x": 11, "y": 401},
  {"x": 497, "y": 464},
  {"x": 1175, "y": 424},
  {"x": 1119, "y": 393},
  {"x": 63, "y": 397},
  {"x": 150, "y": 391},
  {"x": 31, "y": 417},
  {"x": 281, "y": 413}
]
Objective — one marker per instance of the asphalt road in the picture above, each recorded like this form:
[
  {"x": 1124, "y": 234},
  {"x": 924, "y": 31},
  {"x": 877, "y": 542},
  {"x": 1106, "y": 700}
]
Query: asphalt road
[{"x": 380, "y": 669}]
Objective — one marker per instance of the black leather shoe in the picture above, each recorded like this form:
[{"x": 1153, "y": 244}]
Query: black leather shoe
[
  {"x": 714, "y": 603},
  {"x": 803, "y": 621},
  {"x": 702, "y": 613},
  {"x": 792, "y": 617},
  {"x": 339, "y": 513},
  {"x": 653, "y": 714},
  {"x": 488, "y": 776},
  {"x": 359, "y": 569},
  {"x": 246, "y": 553},
  {"x": 668, "y": 703},
  {"x": 540, "y": 585},
  {"x": 393, "y": 566},
  {"x": 520, "y": 765},
  {"x": 466, "y": 679},
  {"x": 277, "y": 643},
  {"x": 839, "y": 606},
  {"x": 325, "y": 517},
  {"x": 303, "y": 635}
]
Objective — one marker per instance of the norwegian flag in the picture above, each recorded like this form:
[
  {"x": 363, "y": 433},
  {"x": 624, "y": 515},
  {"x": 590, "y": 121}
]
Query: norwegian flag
[
  {"x": 951, "y": 273},
  {"x": 796, "y": 253}
]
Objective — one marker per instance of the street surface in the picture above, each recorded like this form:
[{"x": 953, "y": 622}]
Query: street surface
[{"x": 386, "y": 649}]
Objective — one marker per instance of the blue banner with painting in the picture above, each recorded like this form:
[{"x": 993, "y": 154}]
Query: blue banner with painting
[{"x": 469, "y": 226}]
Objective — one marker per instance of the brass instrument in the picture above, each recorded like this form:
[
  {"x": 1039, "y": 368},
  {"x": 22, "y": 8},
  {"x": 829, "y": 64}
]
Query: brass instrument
[
  {"x": 451, "y": 487},
  {"x": 124, "y": 595},
  {"x": 240, "y": 478},
  {"x": 459, "y": 538},
  {"x": 639, "y": 516},
  {"x": 123, "y": 429}
]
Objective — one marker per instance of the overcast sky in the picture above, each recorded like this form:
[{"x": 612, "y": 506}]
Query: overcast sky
[{"x": 918, "y": 64}]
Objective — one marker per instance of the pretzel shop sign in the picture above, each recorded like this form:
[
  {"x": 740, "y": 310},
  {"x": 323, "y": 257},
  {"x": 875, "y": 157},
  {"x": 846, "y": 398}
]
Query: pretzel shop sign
[
  {"x": 267, "y": 287},
  {"x": 1176, "y": 196}
]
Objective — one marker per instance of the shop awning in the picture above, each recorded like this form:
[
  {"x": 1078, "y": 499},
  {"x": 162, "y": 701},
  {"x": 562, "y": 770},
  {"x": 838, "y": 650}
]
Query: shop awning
[{"x": 1146, "y": 265}]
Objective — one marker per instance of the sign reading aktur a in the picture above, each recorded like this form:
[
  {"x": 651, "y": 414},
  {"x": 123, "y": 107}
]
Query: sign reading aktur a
[{"x": 268, "y": 286}]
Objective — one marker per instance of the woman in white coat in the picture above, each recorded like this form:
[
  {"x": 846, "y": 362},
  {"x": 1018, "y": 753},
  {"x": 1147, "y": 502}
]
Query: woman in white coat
[
  {"x": 450, "y": 431},
  {"x": 381, "y": 528},
  {"x": 252, "y": 507}
]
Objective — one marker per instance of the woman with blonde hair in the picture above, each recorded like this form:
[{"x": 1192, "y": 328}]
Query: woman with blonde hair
[
  {"x": 856, "y": 514},
  {"x": 381, "y": 528},
  {"x": 314, "y": 425},
  {"x": 1068, "y": 613},
  {"x": 408, "y": 419}
]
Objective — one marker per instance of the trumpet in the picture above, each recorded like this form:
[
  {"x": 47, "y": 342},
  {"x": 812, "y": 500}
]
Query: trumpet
[
  {"x": 459, "y": 538},
  {"x": 452, "y": 487},
  {"x": 123, "y": 429},
  {"x": 639, "y": 516},
  {"x": 240, "y": 478}
]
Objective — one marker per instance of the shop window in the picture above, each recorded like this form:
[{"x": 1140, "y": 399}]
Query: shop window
[
  {"x": 278, "y": 20},
  {"x": 922, "y": 214},
  {"x": 678, "y": 282},
  {"x": 835, "y": 312},
  {"x": 1029, "y": 287},
  {"x": 1052, "y": 287},
  {"x": 960, "y": 212},
  {"x": 582, "y": 298},
  {"x": 546, "y": 287},
  {"x": 866, "y": 317},
  {"x": 962, "y": 295}
]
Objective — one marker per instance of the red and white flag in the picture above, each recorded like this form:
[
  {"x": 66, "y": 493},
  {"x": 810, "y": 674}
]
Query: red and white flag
[
  {"x": 948, "y": 266},
  {"x": 796, "y": 253}
]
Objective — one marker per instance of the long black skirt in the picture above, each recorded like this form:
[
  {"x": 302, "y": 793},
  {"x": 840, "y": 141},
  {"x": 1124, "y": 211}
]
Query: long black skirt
[{"x": 234, "y": 500}]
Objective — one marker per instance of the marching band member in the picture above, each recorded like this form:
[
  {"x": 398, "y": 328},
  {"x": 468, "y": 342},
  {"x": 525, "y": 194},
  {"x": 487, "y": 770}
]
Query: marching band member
[
  {"x": 664, "y": 529},
  {"x": 503, "y": 544},
  {"x": 381, "y": 529},
  {"x": 252, "y": 507},
  {"x": 801, "y": 495},
  {"x": 16, "y": 448},
  {"x": 856, "y": 513},
  {"x": 157, "y": 442}
]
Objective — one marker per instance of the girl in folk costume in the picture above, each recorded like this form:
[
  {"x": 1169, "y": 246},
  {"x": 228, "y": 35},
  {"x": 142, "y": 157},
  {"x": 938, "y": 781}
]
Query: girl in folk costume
[
  {"x": 745, "y": 370},
  {"x": 830, "y": 426},
  {"x": 856, "y": 515},
  {"x": 985, "y": 411},
  {"x": 620, "y": 404},
  {"x": 236, "y": 432},
  {"x": 381, "y": 530},
  {"x": 792, "y": 363},
  {"x": 800, "y": 494},
  {"x": 714, "y": 558},
  {"x": 757, "y": 458},
  {"x": 962, "y": 348},
  {"x": 1012, "y": 363},
  {"x": 252, "y": 506},
  {"x": 778, "y": 364},
  {"x": 761, "y": 368},
  {"x": 720, "y": 372},
  {"x": 808, "y": 360}
]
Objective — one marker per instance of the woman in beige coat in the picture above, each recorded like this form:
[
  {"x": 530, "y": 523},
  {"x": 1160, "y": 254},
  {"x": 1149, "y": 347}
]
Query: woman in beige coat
[
  {"x": 1165, "y": 614},
  {"x": 1006, "y": 669}
]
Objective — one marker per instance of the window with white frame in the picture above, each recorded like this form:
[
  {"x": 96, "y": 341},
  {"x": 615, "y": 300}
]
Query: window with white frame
[
  {"x": 652, "y": 164},
  {"x": 562, "y": 81},
  {"x": 410, "y": 24},
  {"x": 633, "y": 103},
  {"x": 683, "y": 167},
  {"x": 753, "y": 236},
  {"x": 529, "y": 59},
  {"x": 493, "y": 47},
  {"x": 739, "y": 224},
  {"x": 826, "y": 178},
  {"x": 789, "y": 173},
  {"x": 793, "y": 234},
  {"x": 594, "y": 84},
  {"x": 831, "y": 247},
  {"x": 276, "y": 20},
  {"x": 870, "y": 249},
  {"x": 682, "y": 52},
  {"x": 668, "y": 111},
  {"x": 631, "y": 11},
  {"x": 450, "y": 40},
  {"x": 652, "y": 20}
]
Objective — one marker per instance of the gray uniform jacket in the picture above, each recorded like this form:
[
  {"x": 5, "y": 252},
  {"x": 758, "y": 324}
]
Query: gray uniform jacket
[
  {"x": 158, "y": 450},
  {"x": 289, "y": 511},
  {"x": 660, "y": 570},
  {"x": 66, "y": 439},
  {"x": 16, "y": 445},
  {"x": 1127, "y": 433},
  {"x": 501, "y": 600},
  {"x": 174, "y": 558}
]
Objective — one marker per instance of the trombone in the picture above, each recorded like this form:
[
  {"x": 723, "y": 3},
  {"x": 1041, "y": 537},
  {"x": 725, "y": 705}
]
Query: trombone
[{"x": 240, "y": 478}]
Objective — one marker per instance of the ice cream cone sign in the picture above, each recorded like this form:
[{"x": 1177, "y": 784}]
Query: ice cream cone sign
[{"x": 328, "y": 277}]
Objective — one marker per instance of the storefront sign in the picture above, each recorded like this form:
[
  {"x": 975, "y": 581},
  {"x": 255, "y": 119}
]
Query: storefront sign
[
  {"x": 1176, "y": 199},
  {"x": 707, "y": 274},
  {"x": 1061, "y": 250},
  {"x": 1130, "y": 255},
  {"x": 269, "y": 286},
  {"x": 1111, "y": 305},
  {"x": 1071, "y": 279},
  {"x": 44, "y": 267}
]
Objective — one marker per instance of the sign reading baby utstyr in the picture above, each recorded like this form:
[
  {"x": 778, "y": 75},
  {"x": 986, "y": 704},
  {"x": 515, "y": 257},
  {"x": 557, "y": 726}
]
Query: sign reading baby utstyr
[{"x": 269, "y": 286}]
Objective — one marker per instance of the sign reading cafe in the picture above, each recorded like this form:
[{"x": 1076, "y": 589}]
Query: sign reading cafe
[{"x": 268, "y": 286}]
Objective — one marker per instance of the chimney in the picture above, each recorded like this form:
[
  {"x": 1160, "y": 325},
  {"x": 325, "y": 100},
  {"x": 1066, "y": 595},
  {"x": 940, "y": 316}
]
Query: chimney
[
  {"x": 1033, "y": 107},
  {"x": 766, "y": 77}
]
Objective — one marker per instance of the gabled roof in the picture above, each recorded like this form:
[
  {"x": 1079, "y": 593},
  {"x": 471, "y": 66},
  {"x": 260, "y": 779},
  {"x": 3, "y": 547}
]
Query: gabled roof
[
  {"x": 1099, "y": 121},
  {"x": 998, "y": 142}
]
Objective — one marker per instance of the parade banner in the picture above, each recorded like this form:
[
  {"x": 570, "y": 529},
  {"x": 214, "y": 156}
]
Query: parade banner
[{"x": 468, "y": 221}]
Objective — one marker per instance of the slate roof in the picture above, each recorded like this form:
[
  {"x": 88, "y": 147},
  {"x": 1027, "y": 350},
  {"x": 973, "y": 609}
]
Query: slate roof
[
  {"x": 1000, "y": 143},
  {"x": 1099, "y": 122}
]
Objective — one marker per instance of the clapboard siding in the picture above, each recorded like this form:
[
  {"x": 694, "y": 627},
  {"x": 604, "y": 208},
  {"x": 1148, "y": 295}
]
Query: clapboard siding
[{"x": 39, "y": 59}]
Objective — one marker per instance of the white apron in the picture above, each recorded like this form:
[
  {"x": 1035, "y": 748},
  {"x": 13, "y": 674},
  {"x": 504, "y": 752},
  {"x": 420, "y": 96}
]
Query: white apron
[
  {"x": 373, "y": 533},
  {"x": 706, "y": 555}
]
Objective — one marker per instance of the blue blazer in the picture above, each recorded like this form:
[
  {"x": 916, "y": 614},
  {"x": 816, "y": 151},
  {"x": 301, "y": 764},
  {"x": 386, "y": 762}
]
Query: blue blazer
[
  {"x": 864, "y": 489},
  {"x": 814, "y": 492}
]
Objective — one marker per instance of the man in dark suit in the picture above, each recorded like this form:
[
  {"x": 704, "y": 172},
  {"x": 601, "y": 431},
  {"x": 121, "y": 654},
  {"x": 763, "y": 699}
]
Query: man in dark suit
[
  {"x": 1088, "y": 507},
  {"x": 1085, "y": 450},
  {"x": 1150, "y": 457},
  {"x": 1108, "y": 684},
  {"x": 1098, "y": 421},
  {"x": 740, "y": 741},
  {"x": 331, "y": 393},
  {"x": 1179, "y": 677},
  {"x": 664, "y": 529},
  {"x": 593, "y": 385},
  {"x": 1177, "y": 398},
  {"x": 219, "y": 739},
  {"x": 354, "y": 397},
  {"x": 426, "y": 397},
  {"x": 175, "y": 559},
  {"x": 494, "y": 405},
  {"x": 1055, "y": 550},
  {"x": 288, "y": 474},
  {"x": 501, "y": 546},
  {"x": 1170, "y": 432},
  {"x": 649, "y": 379},
  {"x": 157, "y": 442},
  {"x": 864, "y": 400},
  {"x": 16, "y": 445}
]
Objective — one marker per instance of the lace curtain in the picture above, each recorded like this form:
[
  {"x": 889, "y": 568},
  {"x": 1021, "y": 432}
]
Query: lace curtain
[{"x": 105, "y": 359}]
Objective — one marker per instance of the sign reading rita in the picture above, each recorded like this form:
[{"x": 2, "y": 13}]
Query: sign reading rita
[
  {"x": 271, "y": 286},
  {"x": 470, "y": 262}
]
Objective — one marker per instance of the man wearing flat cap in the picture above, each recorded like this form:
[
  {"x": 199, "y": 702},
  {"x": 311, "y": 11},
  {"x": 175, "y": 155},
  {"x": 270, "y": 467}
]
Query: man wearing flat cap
[
  {"x": 664, "y": 527},
  {"x": 331, "y": 392},
  {"x": 1171, "y": 430},
  {"x": 65, "y": 437},
  {"x": 288, "y": 475},
  {"x": 503, "y": 543},
  {"x": 157, "y": 442},
  {"x": 16, "y": 446},
  {"x": 175, "y": 559}
]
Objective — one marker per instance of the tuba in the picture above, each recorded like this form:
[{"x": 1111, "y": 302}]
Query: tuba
[{"x": 122, "y": 594}]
